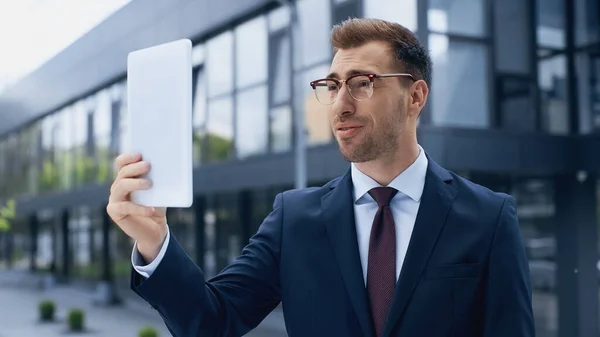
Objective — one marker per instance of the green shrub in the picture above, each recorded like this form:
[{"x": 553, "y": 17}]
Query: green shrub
[
  {"x": 47, "y": 309},
  {"x": 76, "y": 318},
  {"x": 148, "y": 331}
]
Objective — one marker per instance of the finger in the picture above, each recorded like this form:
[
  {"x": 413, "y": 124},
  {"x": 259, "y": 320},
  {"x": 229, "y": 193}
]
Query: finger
[
  {"x": 125, "y": 159},
  {"x": 119, "y": 210},
  {"x": 134, "y": 170},
  {"x": 122, "y": 187}
]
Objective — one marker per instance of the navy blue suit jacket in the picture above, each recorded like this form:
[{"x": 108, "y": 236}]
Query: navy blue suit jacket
[{"x": 465, "y": 273}]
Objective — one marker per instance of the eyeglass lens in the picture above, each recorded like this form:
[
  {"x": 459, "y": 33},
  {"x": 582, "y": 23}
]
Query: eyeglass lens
[{"x": 360, "y": 88}]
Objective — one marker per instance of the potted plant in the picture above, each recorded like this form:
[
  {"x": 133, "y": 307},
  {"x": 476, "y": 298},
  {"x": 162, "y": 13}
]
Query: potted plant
[
  {"x": 47, "y": 310},
  {"x": 76, "y": 319},
  {"x": 148, "y": 331}
]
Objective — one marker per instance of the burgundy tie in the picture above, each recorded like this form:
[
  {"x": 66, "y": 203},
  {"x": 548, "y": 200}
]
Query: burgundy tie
[{"x": 381, "y": 271}]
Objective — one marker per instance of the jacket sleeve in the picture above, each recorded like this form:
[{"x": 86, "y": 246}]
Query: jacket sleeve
[
  {"x": 230, "y": 304},
  {"x": 508, "y": 308}
]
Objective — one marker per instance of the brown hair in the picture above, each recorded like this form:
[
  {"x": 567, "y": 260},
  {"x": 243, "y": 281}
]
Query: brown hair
[{"x": 409, "y": 53}]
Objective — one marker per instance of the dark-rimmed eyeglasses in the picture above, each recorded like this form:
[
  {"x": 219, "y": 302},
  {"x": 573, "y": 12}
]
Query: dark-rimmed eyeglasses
[{"x": 359, "y": 86}]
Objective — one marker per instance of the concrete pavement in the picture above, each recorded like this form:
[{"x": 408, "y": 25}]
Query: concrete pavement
[{"x": 20, "y": 294}]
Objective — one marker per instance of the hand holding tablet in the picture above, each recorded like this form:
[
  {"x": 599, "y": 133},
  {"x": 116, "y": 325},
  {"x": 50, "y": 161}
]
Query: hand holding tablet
[
  {"x": 159, "y": 93},
  {"x": 156, "y": 171}
]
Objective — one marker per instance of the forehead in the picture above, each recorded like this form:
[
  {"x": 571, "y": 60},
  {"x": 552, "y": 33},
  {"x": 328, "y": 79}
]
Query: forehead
[{"x": 372, "y": 57}]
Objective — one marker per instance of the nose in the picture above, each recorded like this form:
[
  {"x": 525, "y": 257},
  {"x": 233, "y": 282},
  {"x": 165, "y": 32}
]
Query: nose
[{"x": 344, "y": 103}]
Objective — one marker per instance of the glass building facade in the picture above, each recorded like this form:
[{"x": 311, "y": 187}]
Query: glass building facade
[{"x": 503, "y": 71}]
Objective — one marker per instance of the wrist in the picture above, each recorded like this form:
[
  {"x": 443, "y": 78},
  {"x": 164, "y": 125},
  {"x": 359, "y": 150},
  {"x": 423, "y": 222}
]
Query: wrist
[{"x": 149, "y": 250}]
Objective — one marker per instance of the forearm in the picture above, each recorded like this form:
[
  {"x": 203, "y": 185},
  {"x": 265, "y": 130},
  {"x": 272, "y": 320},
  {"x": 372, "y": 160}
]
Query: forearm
[{"x": 232, "y": 303}]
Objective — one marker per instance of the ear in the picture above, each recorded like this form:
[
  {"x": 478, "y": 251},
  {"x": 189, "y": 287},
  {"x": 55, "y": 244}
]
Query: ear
[{"x": 419, "y": 92}]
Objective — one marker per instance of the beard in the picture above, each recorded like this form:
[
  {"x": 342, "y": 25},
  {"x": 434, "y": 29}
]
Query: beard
[{"x": 378, "y": 143}]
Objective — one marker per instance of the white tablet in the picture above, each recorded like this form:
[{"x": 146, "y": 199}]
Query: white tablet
[{"x": 159, "y": 99}]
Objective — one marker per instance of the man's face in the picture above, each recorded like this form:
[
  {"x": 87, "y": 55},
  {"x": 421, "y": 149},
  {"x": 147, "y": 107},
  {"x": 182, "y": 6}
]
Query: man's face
[{"x": 370, "y": 129}]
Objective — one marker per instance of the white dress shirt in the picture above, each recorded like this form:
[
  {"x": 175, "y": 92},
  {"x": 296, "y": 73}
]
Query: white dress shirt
[{"x": 404, "y": 205}]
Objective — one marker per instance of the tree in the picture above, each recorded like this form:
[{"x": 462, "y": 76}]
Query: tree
[{"x": 7, "y": 213}]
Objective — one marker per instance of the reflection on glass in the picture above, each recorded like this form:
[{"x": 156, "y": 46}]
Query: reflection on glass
[
  {"x": 198, "y": 55},
  {"x": 228, "y": 230},
  {"x": 220, "y": 128},
  {"x": 587, "y": 22},
  {"x": 281, "y": 129},
  {"x": 63, "y": 154},
  {"x": 251, "y": 122},
  {"x": 314, "y": 17},
  {"x": 279, "y": 18},
  {"x": 102, "y": 134},
  {"x": 199, "y": 115},
  {"x": 402, "y": 12},
  {"x": 449, "y": 17},
  {"x": 315, "y": 114},
  {"x": 551, "y": 23},
  {"x": 535, "y": 202},
  {"x": 220, "y": 64},
  {"x": 3, "y": 171},
  {"x": 588, "y": 88},
  {"x": 182, "y": 224},
  {"x": 251, "y": 52},
  {"x": 279, "y": 83},
  {"x": 459, "y": 91},
  {"x": 553, "y": 95}
]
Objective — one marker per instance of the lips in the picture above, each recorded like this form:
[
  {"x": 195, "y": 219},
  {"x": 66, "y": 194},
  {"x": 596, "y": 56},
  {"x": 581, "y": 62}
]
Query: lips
[{"x": 347, "y": 131}]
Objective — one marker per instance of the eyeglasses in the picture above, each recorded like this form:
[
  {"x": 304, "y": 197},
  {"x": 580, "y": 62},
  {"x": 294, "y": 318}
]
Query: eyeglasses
[{"x": 359, "y": 86}]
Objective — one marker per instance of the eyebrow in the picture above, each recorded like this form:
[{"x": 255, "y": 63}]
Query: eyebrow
[{"x": 350, "y": 73}]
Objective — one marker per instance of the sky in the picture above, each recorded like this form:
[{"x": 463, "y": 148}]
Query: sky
[{"x": 33, "y": 31}]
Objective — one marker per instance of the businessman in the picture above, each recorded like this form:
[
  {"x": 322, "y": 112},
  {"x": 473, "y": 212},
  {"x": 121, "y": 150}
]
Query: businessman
[{"x": 397, "y": 246}]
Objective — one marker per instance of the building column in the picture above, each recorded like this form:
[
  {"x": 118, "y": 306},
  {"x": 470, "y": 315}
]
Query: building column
[
  {"x": 245, "y": 215},
  {"x": 66, "y": 256},
  {"x": 576, "y": 239},
  {"x": 199, "y": 210},
  {"x": 9, "y": 239},
  {"x": 106, "y": 293},
  {"x": 33, "y": 238}
]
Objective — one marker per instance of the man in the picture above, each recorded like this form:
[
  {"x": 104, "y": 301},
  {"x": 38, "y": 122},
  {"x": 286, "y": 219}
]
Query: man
[{"x": 398, "y": 246}]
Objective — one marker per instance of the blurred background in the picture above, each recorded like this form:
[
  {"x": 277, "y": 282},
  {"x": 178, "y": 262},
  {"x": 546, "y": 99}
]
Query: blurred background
[{"x": 514, "y": 106}]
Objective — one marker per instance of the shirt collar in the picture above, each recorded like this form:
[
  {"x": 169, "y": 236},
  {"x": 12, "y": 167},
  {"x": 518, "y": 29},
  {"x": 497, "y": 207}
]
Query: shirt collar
[{"x": 410, "y": 182}]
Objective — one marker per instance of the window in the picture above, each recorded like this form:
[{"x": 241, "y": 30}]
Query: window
[
  {"x": 279, "y": 18},
  {"x": 251, "y": 122},
  {"x": 198, "y": 55},
  {"x": 512, "y": 43},
  {"x": 220, "y": 128},
  {"x": 63, "y": 133},
  {"x": 314, "y": 17},
  {"x": 551, "y": 23},
  {"x": 251, "y": 52},
  {"x": 220, "y": 64},
  {"x": 459, "y": 91},
  {"x": 102, "y": 134},
  {"x": 552, "y": 77},
  {"x": 403, "y": 12},
  {"x": 588, "y": 89},
  {"x": 450, "y": 17},
  {"x": 587, "y": 22},
  {"x": 281, "y": 128},
  {"x": 280, "y": 61},
  {"x": 315, "y": 114},
  {"x": 199, "y": 115}
]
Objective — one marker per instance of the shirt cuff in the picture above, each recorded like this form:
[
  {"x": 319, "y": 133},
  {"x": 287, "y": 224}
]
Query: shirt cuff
[{"x": 138, "y": 262}]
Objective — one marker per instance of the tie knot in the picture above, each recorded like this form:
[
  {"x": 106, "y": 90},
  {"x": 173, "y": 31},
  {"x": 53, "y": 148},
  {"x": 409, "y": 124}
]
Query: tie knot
[{"x": 383, "y": 195}]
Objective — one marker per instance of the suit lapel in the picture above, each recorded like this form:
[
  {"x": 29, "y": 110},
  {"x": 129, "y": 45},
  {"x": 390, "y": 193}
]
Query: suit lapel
[
  {"x": 338, "y": 211},
  {"x": 437, "y": 198}
]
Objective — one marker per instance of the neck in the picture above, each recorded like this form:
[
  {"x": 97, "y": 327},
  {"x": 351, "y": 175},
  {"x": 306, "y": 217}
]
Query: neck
[{"x": 385, "y": 169}]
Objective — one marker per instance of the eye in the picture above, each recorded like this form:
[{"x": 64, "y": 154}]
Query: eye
[{"x": 363, "y": 83}]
